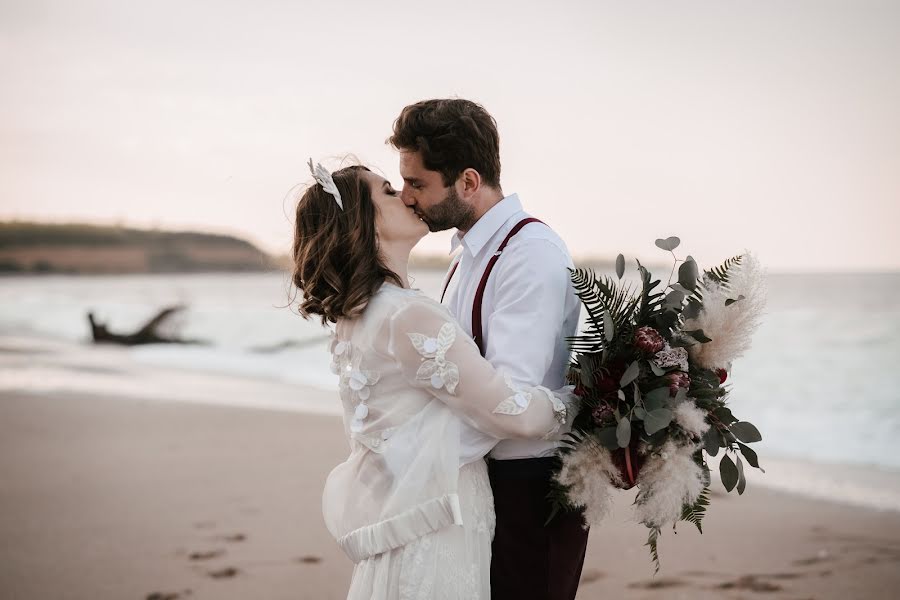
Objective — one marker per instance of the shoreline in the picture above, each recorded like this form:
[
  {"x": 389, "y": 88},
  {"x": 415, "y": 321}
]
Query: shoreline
[{"x": 110, "y": 371}]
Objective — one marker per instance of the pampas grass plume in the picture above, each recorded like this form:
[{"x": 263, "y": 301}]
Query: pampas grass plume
[{"x": 729, "y": 327}]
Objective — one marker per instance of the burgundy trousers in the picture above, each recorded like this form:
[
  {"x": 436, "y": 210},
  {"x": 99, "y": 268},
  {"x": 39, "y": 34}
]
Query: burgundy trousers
[{"x": 531, "y": 561}]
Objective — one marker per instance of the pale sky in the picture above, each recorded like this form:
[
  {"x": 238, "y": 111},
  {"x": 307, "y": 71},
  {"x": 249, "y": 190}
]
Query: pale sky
[{"x": 767, "y": 125}]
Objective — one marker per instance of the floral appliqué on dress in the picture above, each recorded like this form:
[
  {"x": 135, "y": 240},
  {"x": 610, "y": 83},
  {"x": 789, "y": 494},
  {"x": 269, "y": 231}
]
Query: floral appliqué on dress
[
  {"x": 519, "y": 402},
  {"x": 345, "y": 363},
  {"x": 439, "y": 371}
]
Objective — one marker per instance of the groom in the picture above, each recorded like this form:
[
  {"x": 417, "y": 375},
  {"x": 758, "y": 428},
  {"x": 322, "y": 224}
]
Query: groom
[{"x": 509, "y": 287}]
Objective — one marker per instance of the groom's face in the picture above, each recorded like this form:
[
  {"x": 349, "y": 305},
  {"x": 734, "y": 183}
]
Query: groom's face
[{"x": 424, "y": 191}]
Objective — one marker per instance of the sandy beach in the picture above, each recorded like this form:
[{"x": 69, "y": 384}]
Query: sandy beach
[{"x": 106, "y": 497}]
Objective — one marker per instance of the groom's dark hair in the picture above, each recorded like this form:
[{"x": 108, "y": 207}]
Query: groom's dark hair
[{"x": 452, "y": 135}]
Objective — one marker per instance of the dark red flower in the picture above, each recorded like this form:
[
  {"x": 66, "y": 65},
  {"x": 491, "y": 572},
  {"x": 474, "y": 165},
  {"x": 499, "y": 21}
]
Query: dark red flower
[
  {"x": 676, "y": 380},
  {"x": 607, "y": 379},
  {"x": 580, "y": 391},
  {"x": 602, "y": 415},
  {"x": 648, "y": 340},
  {"x": 723, "y": 375}
]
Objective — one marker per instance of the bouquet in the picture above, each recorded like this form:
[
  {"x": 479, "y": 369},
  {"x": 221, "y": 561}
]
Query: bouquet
[{"x": 651, "y": 371}]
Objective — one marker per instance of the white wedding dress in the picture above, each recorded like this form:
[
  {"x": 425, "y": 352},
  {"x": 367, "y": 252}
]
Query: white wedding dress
[{"x": 411, "y": 505}]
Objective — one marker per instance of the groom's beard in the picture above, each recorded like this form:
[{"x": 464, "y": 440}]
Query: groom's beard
[{"x": 449, "y": 213}]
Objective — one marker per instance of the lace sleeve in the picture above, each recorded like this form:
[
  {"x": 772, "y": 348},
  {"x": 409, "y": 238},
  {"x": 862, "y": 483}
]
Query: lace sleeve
[{"x": 436, "y": 355}]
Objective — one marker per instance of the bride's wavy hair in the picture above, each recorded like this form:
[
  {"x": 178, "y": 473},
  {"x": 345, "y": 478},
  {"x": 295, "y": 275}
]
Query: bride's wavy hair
[{"x": 337, "y": 266}]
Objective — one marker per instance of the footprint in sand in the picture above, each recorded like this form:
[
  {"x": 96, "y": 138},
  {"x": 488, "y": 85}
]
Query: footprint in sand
[
  {"x": 657, "y": 584},
  {"x": 750, "y": 583},
  {"x": 168, "y": 595},
  {"x": 226, "y": 573},
  {"x": 210, "y": 554},
  {"x": 234, "y": 537},
  {"x": 309, "y": 560}
]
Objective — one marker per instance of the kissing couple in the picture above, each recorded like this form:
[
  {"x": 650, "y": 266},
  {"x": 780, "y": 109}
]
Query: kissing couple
[{"x": 449, "y": 406}]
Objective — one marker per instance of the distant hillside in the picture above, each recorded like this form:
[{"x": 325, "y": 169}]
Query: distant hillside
[{"x": 79, "y": 248}]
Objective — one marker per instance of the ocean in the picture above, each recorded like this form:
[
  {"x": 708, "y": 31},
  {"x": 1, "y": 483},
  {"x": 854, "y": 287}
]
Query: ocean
[{"x": 821, "y": 381}]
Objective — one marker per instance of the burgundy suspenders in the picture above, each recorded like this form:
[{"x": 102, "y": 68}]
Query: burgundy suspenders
[{"x": 479, "y": 293}]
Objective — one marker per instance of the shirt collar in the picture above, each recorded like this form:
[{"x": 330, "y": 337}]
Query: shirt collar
[{"x": 489, "y": 224}]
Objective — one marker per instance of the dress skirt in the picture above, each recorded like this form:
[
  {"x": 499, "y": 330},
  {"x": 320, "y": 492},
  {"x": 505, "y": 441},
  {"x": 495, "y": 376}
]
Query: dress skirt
[{"x": 453, "y": 563}]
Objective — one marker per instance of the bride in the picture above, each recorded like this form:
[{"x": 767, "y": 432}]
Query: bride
[{"x": 411, "y": 506}]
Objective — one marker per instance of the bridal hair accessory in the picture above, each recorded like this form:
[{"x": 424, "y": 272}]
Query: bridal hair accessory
[{"x": 323, "y": 178}]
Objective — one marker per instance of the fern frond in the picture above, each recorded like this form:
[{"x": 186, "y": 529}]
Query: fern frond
[
  {"x": 583, "y": 283},
  {"x": 648, "y": 300},
  {"x": 602, "y": 296},
  {"x": 652, "y": 539},
  {"x": 722, "y": 273},
  {"x": 694, "y": 513}
]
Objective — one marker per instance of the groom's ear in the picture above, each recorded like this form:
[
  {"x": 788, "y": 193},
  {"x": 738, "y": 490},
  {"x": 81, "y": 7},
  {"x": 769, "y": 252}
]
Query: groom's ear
[{"x": 471, "y": 183}]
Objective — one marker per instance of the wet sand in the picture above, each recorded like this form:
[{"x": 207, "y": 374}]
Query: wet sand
[{"x": 112, "y": 497}]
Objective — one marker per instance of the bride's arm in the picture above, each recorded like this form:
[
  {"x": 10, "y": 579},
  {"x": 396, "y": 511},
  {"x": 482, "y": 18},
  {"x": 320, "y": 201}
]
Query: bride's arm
[{"x": 436, "y": 355}]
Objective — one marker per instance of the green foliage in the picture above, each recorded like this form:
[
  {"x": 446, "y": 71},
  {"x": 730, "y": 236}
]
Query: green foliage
[
  {"x": 649, "y": 300},
  {"x": 750, "y": 456},
  {"x": 668, "y": 244},
  {"x": 559, "y": 500},
  {"x": 657, "y": 420},
  {"x": 728, "y": 471},
  {"x": 694, "y": 513},
  {"x": 746, "y": 432},
  {"x": 652, "y": 539},
  {"x": 609, "y": 306},
  {"x": 687, "y": 275},
  {"x": 623, "y": 432},
  {"x": 722, "y": 273}
]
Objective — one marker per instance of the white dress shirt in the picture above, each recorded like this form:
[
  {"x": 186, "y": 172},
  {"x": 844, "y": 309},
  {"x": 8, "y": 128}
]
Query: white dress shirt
[{"x": 529, "y": 306}]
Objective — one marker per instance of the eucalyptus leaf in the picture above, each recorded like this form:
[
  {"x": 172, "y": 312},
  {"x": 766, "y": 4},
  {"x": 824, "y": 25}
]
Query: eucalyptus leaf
[
  {"x": 656, "y": 398},
  {"x": 584, "y": 363},
  {"x": 728, "y": 472},
  {"x": 609, "y": 330},
  {"x": 682, "y": 341},
  {"x": 711, "y": 441},
  {"x": 723, "y": 413},
  {"x": 657, "y": 370},
  {"x": 687, "y": 274},
  {"x": 750, "y": 455},
  {"x": 680, "y": 288},
  {"x": 640, "y": 413},
  {"x": 693, "y": 308},
  {"x": 698, "y": 335},
  {"x": 746, "y": 432},
  {"x": 674, "y": 299},
  {"x": 670, "y": 243},
  {"x": 657, "y": 419},
  {"x": 620, "y": 266},
  {"x": 742, "y": 481},
  {"x": 607, "y": 438},
  {"x": 730, "y": 301},
  {"x": 621, "y": 395},
  {"x": 623, "y": 432},
  {"x": 631, "y": 373}
]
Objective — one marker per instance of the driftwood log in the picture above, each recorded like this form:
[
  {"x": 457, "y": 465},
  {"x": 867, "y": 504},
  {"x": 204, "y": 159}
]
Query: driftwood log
[{"x": 147, "y": 334}]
